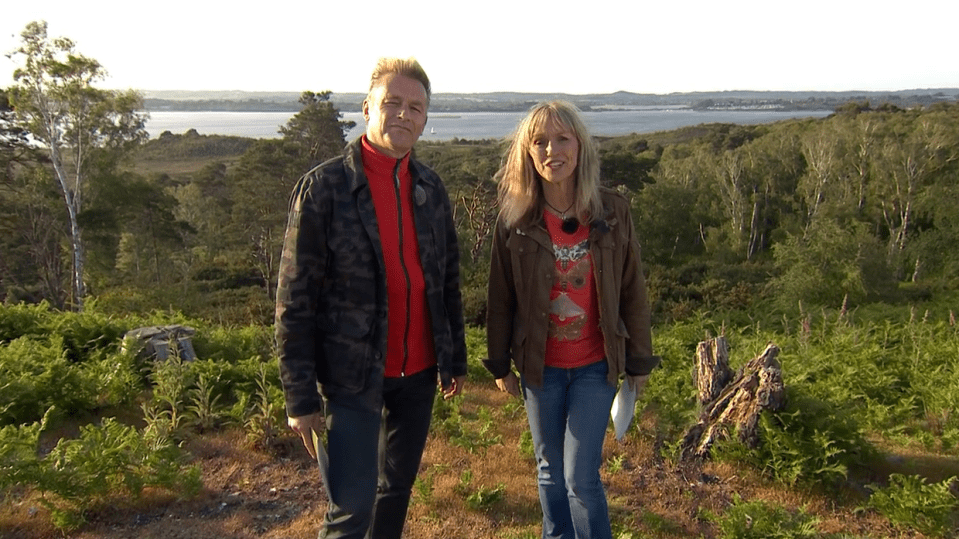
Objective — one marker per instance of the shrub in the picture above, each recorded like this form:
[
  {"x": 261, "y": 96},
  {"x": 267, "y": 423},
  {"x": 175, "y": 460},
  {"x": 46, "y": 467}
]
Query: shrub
[
  {"x": 809, "y": 442},
  {"x": 35, "y": 376},
  {"x": 108, "y": 461},
  {"x": 909, "y": 501},
  {"x": 759, "y": 520}
]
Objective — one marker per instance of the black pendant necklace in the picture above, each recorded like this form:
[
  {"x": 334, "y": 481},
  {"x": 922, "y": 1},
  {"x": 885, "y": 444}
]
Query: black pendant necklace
[{"x": 570, "y": 224}]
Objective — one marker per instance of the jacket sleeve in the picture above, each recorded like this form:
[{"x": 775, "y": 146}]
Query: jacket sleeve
[
  {"x": 298, "y": 286},
  {"x": 452, "y": 294},
  {"x": 500, "y": 305},
  {"x": 634, "y": 306}
]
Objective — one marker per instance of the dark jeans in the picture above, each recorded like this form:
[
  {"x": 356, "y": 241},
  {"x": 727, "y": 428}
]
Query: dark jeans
[{"x": 374, "y": 458}]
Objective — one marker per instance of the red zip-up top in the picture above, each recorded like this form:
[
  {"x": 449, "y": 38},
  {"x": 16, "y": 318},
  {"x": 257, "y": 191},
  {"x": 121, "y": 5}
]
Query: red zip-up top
[{"x": 409, "y": 345}]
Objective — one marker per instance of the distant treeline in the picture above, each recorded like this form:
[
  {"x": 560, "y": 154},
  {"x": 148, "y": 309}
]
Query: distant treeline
[{"x": 515, "y": 101}]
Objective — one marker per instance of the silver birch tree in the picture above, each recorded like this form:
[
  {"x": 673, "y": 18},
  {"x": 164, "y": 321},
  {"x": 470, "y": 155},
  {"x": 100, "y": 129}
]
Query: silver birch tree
[{"x": 80, "y": 127}]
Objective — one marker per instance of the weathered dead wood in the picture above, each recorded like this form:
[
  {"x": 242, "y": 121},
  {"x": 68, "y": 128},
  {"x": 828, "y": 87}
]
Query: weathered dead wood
[
  {"x": 712, "y": 371},
  {"x": 738, "y": 403}
]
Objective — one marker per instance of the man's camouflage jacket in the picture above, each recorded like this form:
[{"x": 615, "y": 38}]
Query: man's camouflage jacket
[{"x": 331, "y": 307}]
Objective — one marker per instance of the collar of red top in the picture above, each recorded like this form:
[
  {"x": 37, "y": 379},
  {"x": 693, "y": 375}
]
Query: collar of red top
[{"x": 378, "y": 163}]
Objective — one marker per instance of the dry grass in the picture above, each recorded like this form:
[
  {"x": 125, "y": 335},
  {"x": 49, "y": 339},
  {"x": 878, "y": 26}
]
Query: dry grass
[{"x": 277, "y": 494}]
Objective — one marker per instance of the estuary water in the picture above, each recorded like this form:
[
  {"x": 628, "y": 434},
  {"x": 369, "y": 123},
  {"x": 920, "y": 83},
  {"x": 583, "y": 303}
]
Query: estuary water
[{"x": 469, "y": 125}]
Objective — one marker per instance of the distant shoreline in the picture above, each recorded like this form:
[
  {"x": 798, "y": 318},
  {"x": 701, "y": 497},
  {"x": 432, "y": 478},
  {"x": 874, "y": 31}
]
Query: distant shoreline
[
  {"x": 226, "y": 101},
  {"x": 467, "y": 125}
]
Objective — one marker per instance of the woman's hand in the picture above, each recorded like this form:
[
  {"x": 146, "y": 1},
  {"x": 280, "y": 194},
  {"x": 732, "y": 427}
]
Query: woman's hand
[
  {"x": 638, "y": 382},
  {"x": 509, "y": 384}
]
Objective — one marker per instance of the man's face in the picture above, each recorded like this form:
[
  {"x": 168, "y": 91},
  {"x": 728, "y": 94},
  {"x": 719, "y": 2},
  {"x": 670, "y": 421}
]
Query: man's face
[{"x": 395, "y": 114}]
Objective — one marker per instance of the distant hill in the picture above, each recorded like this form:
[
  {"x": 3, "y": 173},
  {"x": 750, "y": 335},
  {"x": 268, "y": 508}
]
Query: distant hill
[{"x": 240, "y": 101}]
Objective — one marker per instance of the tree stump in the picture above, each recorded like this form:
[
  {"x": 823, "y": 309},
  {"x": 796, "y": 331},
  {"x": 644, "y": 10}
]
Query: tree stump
[
  {"x": 712, "y": 369},
  {"x": 732, "y": 403}
]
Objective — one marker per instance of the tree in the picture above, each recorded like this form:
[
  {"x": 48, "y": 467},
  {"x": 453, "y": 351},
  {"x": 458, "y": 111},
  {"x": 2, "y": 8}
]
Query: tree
[
  {"x": 132, "y": 228},
  {"x": 317, "y": 128},
  {"x": 82, "y": 128},
  {"x": 624, "y": 167},
  {"x": 261, "y": 185},
  {"x": 267, "y": 171},
  {"x": 911, "y": 160},
  {"x": 14, "y": 144},
  {"x": 30, "y": 227},
  {"x": 829, "y": 262}
]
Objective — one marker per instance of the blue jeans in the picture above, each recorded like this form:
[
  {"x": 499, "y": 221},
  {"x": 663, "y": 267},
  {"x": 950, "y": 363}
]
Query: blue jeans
[
  {"x": 374, "y": 458},
  {"x": 568, "y": 417}
]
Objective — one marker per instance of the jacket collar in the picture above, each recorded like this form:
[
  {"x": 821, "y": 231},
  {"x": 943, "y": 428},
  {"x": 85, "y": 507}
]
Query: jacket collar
[
  {"x": 598, "y": 228},
  {"x": 353, "y": 161}
]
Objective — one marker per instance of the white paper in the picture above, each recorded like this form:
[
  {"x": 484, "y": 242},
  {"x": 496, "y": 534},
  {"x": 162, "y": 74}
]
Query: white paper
[{"x": 624, "y": 404}]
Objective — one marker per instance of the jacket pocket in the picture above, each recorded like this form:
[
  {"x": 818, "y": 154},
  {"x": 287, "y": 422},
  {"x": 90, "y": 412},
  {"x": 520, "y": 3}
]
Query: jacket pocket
[{"x": 347, "y": 348}]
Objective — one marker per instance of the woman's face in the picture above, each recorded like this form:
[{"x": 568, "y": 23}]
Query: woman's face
[{"x": 555, "y": 149}]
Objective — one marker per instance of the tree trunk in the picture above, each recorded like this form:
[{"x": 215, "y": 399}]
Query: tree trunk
[
  {"x": 79, "y": 288},
  {"x": 712, "y": 369},
  {"x": 71, "y": 198},
  {"x": 732, "y": 406}
]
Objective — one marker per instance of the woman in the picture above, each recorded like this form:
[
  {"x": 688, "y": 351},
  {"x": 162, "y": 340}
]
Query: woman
[{"x": 567, "y": 305}]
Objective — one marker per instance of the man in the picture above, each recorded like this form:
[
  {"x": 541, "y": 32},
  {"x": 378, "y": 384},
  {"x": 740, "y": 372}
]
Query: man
[{"x": 368, "y": 307}]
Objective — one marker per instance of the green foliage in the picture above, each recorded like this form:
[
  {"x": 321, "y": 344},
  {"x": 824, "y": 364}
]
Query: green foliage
[
  {"x": 478, "y": 498},
  {"x": 423, "y": 487},
  {"x": 317, "y": 128},
  {"x": 614, "y": 464},
  {"x": 828, "y": 264},
  {"x": 809, "y": 442},
  {"x": 910, "y": 502},
  {"x": 651, "y": 521},
  {"x": 107, "y": 461},
  {"x": 759, "y": 520},
  {"x": 165, "y": 413},
  {"x": 526, "y": 447},
  {"x": 35, "y": 376},
  {"x": 670, "y": 395},
  {"x": 79, "y": 334},
  {"x": 626, "y": 167},
  {"x": 476, "y": 351},
  {"x": 471, "y": 432},
  {"x": 233, "y": 344},
  {"x": 191, "y": 145},
  {"x": 204, "y": 404},
  {"x": 266, "y": 416},
  {"x": 70, "y": 363}
]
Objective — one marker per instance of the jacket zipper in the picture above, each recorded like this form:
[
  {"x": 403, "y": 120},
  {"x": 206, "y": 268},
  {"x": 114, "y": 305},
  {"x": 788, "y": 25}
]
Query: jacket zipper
[{"x": 406, "y": 273}]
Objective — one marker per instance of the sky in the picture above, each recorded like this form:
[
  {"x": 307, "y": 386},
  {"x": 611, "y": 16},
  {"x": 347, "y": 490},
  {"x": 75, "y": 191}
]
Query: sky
[{"x": 557, "y": 46}]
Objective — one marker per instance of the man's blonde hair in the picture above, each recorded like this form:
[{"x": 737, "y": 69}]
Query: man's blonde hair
[{"x": 408, "y": 67}]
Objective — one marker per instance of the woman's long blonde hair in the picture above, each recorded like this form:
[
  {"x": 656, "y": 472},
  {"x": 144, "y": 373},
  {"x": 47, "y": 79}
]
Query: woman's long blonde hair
[{"x": 520, "y": 186}]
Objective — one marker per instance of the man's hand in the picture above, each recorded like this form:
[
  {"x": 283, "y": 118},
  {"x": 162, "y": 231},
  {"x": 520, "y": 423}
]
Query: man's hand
[
  {"x": 509, "y": 384},
  {"x": 304, "y": 426},
  {"x": 455, "y": 388}
]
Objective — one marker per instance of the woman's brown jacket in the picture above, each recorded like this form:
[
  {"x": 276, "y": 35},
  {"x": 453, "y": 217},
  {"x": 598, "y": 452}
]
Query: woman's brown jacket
[{"x": 521, "y": 276}]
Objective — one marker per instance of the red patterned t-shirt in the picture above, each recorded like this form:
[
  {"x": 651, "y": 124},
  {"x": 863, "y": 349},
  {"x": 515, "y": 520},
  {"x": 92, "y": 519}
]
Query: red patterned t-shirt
[{"x": 574, "y": 338}]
